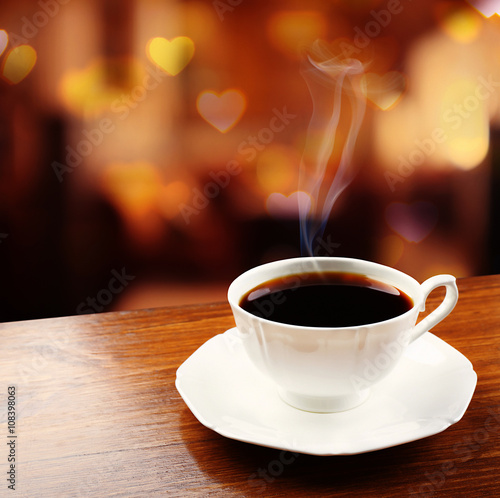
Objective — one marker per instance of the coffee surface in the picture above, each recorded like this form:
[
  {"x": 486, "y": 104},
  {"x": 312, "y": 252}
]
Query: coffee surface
[{"x": 328, "y": 299}]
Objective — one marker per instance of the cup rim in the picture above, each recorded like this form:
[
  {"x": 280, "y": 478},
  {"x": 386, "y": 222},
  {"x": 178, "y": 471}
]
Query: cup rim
[{"x": 234, "y": 303}]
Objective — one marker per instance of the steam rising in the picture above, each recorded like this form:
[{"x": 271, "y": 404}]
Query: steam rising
[{"x": 335, "y": 84}]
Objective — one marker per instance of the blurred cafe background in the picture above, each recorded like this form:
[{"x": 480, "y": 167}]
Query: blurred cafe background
[{"x": 150, "y": 149}]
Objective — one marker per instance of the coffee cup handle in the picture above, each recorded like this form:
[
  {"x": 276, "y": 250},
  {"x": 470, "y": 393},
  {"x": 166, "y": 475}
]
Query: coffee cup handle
[{"x": 443, "y": 310}]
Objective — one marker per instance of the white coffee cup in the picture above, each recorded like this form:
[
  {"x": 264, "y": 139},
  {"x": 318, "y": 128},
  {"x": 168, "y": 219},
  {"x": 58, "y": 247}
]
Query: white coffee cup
[{"x": 330, "y": 369}]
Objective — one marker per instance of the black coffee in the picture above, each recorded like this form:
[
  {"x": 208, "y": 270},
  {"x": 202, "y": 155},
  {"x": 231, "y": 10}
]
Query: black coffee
[{"x": 329, "y": 299}]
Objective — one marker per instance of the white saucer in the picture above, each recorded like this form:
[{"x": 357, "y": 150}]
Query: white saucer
[{"x": 428, "y": 391}]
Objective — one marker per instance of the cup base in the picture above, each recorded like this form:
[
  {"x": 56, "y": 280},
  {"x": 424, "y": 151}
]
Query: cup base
[{"x": 320, "y": 404}]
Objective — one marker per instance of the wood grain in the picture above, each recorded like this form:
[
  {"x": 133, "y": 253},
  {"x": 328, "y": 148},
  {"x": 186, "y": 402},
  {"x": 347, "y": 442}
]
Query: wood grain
[{"x": 97, "y": 414}]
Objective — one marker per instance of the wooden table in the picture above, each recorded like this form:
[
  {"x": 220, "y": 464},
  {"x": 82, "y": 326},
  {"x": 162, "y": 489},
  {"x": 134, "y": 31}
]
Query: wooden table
[{"x": 97, "y": 414}]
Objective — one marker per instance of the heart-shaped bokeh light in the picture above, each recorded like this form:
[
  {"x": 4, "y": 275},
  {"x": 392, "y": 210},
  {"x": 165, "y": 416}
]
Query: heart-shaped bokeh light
[
  {"x": 4, "y": 39},
  {"x": 486, "y": 7},
  {"x": 171, "y": 55},
  {"x": 296, "y": 204},
  {"x": 384, "y": 91},
  {"x": 414, "y": 222},
  {"x": 221, "y": 110},
  {"x": 18, "y": 63}
]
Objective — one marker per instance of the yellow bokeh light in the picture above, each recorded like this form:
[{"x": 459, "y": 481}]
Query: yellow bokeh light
[
  {"x": 171, "y": 55},
  {"x": 465, "y": 121},
  {"x": 89, "y": 91},
  {"x": 462, "y": 25},
  {"x": 467, "y": 153},
  {"x": 134, "y": 190},
  {"x": 444, "y": 118},
  {"x": 133, "y": 187},
  {"x": 83, "y": 89},
  {"x": 19, "y": 63}
]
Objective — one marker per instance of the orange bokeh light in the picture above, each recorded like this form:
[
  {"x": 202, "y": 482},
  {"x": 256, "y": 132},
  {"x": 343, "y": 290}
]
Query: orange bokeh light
[
  {"x": 172, "y": 196},
  {"x": 133, "y": 188},
  {"x": 290, "y": 31},
  {"x": 18, "y": 63},
  {"x": 277, "y": 169}
]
